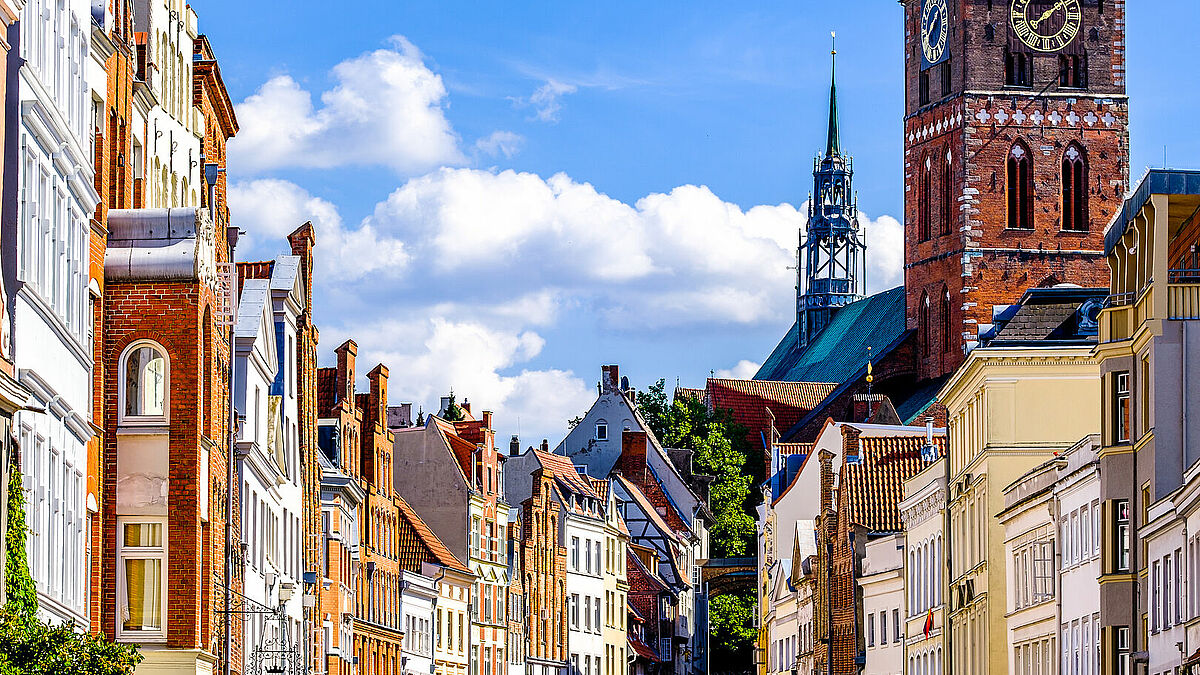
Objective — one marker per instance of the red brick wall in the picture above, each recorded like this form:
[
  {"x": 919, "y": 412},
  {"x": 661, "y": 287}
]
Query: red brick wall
[
  {"x": 978, "y": 260},
  {"x": 172, "y": 314},
  {"x": 544, "y": 570}
]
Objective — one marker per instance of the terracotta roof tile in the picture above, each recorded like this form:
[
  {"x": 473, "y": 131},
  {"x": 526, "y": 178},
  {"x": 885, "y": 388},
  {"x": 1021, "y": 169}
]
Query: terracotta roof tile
[
  {"x": 643, "y": 650},
  {"x": 749, "y": 400},
  {"x": 419, "y": 544},
  {"x": 788, "y": 449},
  {"x": 326, "y": 391},
  {"x": 874, "y": 484},
  {"x": 566, "y": 473}
]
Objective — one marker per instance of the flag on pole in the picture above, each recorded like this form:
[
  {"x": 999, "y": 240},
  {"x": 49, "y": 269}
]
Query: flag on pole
[{"x": 929, "y": 623}]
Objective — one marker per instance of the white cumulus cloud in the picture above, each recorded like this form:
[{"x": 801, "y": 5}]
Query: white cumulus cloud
[
  {"x": 268, "y": 209},
  {"x": 386, "y": 108},
  {"x": 744, "y": 370},
  {"x": 500, "y": 143}
]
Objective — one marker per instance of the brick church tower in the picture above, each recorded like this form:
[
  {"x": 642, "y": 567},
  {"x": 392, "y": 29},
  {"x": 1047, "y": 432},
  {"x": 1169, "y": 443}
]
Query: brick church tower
[{"x": 1016, "y": 157}]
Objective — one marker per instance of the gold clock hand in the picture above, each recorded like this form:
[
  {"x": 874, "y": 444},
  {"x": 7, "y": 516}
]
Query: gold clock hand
[{"x": 1047, "y": 14}]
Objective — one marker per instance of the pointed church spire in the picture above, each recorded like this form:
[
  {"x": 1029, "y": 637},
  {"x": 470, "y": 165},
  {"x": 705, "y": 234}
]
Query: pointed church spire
[{"x": 834, "y": 147}]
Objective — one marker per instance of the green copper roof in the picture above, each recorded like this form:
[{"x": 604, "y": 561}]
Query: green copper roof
[
  {"x": 840, "y": 351},
  {"x": 834, "y": 147}
]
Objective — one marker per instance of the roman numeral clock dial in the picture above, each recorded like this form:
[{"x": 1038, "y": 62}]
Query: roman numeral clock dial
[
  {"x": 1046, "y": 25},
  {"x": 934, "y": 30}
]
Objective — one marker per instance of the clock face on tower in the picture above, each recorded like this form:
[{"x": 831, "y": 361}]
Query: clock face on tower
[
  {"x": 934, "y": 31},
  {"x": 1046, "y": 25}
]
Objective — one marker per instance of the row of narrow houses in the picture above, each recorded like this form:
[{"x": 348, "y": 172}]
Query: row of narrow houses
[
  {"x": 196, "y": 484},
  {"x": 991, "y": 469}
]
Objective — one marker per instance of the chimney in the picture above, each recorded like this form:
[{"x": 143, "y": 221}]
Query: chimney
[
  {"x": 302, "y": 241},
  {"x": 378, "y": 378},
  {"x": 632, "y": 462},
  {"x": 826, "y": 459},
  {"x": 466, "y": 406},
  {"x": 850, "y": 443},
  {"x": 399, "y": 416},
  {"x": 514, "y": 446},
  {"x": 487, "y": 419},
  {"x": 610, "y": 378},
  {"x": 545, "y": 445},
  {"x": 929, "y": 431},
  {"x": 345, "y": 369}
]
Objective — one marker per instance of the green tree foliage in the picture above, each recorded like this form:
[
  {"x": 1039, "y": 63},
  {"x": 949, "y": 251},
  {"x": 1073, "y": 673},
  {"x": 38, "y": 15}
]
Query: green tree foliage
[
  {"x": 30, "y": 647},
  {"x": 716, "y": 441},
  {"x": 22, "y": 594},
  {"x": 454, "y": 412},
  {"x": 731, "y": 628}
]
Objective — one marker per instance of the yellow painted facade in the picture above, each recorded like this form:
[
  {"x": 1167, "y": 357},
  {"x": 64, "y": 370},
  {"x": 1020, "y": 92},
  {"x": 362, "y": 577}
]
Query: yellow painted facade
[{"x": 1010, "y": 408}]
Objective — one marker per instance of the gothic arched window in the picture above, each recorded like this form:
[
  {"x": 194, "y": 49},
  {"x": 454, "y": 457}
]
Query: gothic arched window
[
  {"x": 1074, "y": 186},
  {"x": 923, "y": 325},
  {"x": 144, "y": 382},
  {"x": 947, "y": 322},
  {"x": 948, "y": 194},
  {"x": 924, "y": 192},
  {"x": 1019, "y": 186}
]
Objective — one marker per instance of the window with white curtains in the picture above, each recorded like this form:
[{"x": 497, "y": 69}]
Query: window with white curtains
[{"x": 142, "y": 578}]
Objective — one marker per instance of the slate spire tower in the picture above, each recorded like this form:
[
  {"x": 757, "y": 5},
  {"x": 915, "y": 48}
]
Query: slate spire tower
[{"x": 831, "y": 248}]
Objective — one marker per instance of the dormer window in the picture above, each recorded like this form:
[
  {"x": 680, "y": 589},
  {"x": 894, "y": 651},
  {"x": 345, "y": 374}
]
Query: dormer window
[
  {"x": 602, "y": 430},
  {"x": 144, "y": 386}
]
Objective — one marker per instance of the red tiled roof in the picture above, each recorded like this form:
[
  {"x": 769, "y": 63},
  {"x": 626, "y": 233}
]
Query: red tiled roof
[
  {"x": 749, "y": 400},
  {"x": 691, "y": 394},
  {"x": 253, "y": 270},
  {"x": 643, "y": 650},
  {"x": 788, "y": 449},
  {"x": 874, "y": 485},
  {"x": 326, "y": 391},
  {"x": 562, "y": 469},
  {"x": 464, "y": 450},
  {"x": 419, "y": 544}
]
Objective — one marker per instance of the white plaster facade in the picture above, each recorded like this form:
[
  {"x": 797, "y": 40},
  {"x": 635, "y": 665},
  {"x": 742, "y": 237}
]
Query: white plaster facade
[
  {"x": 51, "y": 339},
  {"x": 1080, "y": 531},
  {"x": 418, "y": 599},
  {"x": 175, "y": 127},
  {"x": 1031, "y": 572},
  {"x": 268, "y": 458},
  {"x": 924, "y": 513},
  {"x": 882, "y": 585},
  {"x": 452, "y": 622}
]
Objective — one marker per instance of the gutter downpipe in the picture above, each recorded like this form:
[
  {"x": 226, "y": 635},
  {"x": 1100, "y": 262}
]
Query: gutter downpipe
[{"x": 233, "y": 430}]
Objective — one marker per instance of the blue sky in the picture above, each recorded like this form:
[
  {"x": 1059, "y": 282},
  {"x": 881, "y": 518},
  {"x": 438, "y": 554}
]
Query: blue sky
[{"x": 508, "y": 195}]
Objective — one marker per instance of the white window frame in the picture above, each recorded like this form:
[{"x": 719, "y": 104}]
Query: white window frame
[
  {"x": 143, "y": 420},
  {"x": 602, "y": 430},
  {"x": 142, "y": 553}
]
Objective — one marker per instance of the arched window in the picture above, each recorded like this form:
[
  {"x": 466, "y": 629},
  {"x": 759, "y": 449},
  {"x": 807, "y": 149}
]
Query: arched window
[
  {"x": 144, "y": 382},
  {"x": 1020, "y": 188},
  {"x": 1074, "y": 186},
  {"x": 923, "y": 325},
  {"x": 924, "y": 191},
  {"x": 948, "y": 194},
  {"x": 947, "y": 322}
]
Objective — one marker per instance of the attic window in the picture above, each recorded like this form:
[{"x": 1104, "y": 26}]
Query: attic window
[{"x": 602, "y": 430}]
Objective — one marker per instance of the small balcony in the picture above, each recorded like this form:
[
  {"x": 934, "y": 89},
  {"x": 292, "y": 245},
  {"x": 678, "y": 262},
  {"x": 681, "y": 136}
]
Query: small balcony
[{"x": 1183, "y": 295}]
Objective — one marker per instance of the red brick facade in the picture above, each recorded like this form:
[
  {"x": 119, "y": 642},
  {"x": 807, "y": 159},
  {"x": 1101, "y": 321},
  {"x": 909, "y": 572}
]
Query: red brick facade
[
  {"x": 961, "y": 255},
  {"x": 543, "y": 571}
]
